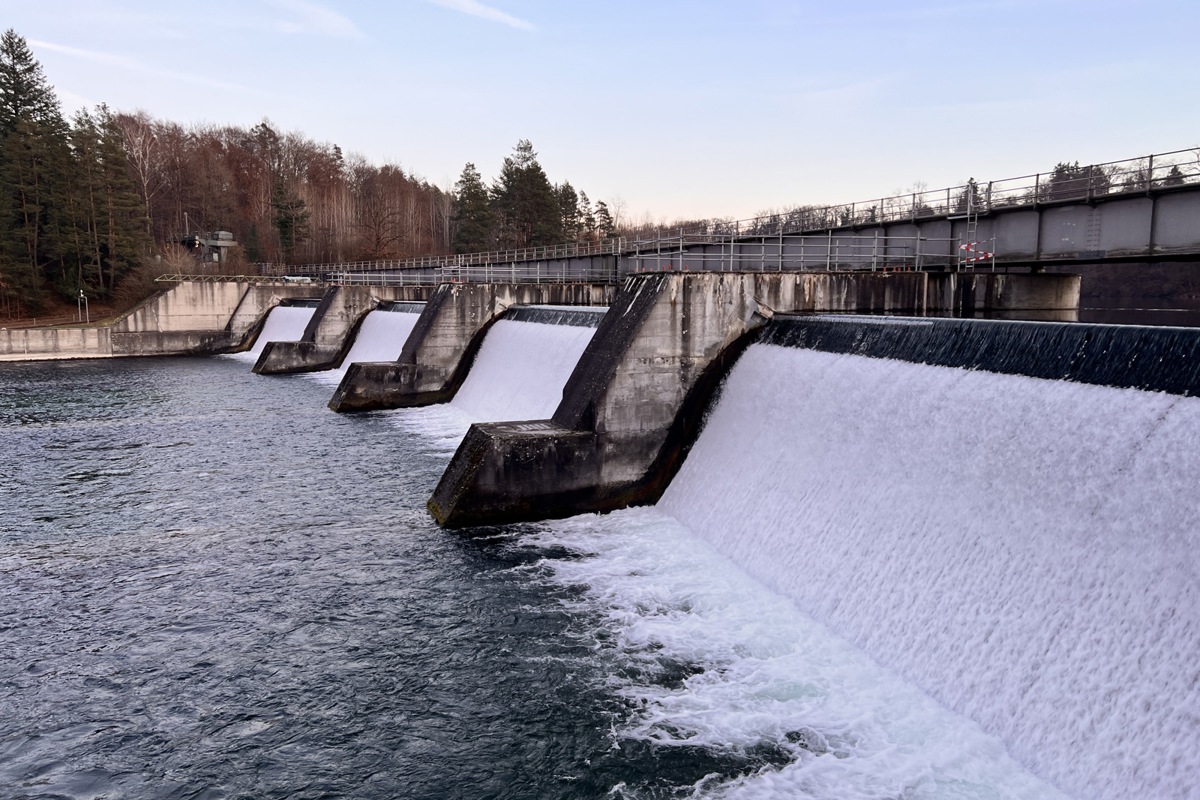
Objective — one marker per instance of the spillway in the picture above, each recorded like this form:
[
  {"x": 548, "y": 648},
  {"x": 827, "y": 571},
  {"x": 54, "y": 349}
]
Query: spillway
[
  {"x": 1022, "y": 549},
  {"x": 285, "y": 323},
  {"x": 518, "y": 374},
  {"x": 380, "y": 337},
  {"x": 520, "y": 370},
  {"x": 383, "y": 332}
]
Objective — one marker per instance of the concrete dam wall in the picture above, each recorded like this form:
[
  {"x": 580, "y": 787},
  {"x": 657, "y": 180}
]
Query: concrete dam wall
[
  {"x": 1001, "y": 512},
  {"x": 1022, "y": 548},
  {"x": 638, "y": 395}
]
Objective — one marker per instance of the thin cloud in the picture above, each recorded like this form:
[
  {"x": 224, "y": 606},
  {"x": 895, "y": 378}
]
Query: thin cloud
[
  {"x": 476, "y": 9},
  {"x": 132, "y": 64},
  {"x": 313, "y": 18}
]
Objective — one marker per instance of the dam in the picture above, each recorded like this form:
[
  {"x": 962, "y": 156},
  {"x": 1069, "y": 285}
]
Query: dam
[{"x": 896, "y": 556}]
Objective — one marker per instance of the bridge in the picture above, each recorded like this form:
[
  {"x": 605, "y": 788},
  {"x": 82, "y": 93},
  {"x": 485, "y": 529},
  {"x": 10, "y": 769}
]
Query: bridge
[{"x": 1142, "y": 209}]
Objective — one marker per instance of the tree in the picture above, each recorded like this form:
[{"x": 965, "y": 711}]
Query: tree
[
  {"x": 604, "y": 221},
  {"x": 291, "y": 220},
  {"x": 1073, "y": 182},
  {"x": 587, "y": 220},
  {"x": 473, "y": 218},
  {"x": 34, "y": 169},
  {"x": 568, "y": 211},
  {"x": 969, "y": 200},
  {"x": 525, "y": 203},
  {"x": 1174, "y": 177}
]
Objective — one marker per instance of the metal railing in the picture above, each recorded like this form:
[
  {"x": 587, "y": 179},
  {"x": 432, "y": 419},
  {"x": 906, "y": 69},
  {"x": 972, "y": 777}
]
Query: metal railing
[
  {"x": 515, "y": 272},
  {"x": 829, "y": 252},
  {"x": 1142, "y": 175},
  {"x": 1066, "y": 184}
]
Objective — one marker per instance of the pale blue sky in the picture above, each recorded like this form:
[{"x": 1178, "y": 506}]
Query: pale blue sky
[{"x": 669, "y": 108}]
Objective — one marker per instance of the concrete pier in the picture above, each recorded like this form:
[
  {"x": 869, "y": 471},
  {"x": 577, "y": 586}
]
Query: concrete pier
[
  {"x": 634, "y": 404},
  {"x": 443, "y": 343},
  {"x": 330, "y": 332}
]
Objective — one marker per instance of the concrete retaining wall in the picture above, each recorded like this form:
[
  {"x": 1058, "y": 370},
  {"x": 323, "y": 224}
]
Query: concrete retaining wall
[{"x": 33, "y": 344}]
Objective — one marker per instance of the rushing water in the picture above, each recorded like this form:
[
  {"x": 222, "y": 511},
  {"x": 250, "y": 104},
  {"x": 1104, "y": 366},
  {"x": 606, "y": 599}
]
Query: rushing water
[
  {"x": 214, "y": 587},
  {"x": 283, "y": 324}
]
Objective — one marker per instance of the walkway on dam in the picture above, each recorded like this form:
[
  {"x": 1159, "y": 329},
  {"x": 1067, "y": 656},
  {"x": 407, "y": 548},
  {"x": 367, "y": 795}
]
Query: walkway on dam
[{"x": 1144, "y": 208}]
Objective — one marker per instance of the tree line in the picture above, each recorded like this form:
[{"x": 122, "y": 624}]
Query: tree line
[
  {"x": 523, "y": 209},
  {"x": 105, "y": 200}
]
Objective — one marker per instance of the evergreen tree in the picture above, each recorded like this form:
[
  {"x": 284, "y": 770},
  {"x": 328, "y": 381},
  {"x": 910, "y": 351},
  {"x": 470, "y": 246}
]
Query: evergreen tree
[
  {"x": 568, "y": 212},
  {"x": 605, "y": 227},
  {"x": 34, "y": 171},
  {"x": 291, "y": 220},
  {"x": 587, "y": 220},
  {"x": 1073, "y": 182},
  {"x": 473, "y": 218},
  {"x": 526, "y": 204}
]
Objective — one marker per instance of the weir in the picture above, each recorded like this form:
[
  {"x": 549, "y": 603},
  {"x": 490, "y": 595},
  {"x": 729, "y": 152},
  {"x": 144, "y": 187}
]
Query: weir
[
  {"x": 1001, "y": 512},
  {"x": 327, "y": 339},
  {"x": 637, "y": 396},
  {"x": 1024, "y": 549},
  {"x": 438, "y": 353}
]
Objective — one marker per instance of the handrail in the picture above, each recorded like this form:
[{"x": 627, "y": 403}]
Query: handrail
[{"x": 1142, "y": 175}]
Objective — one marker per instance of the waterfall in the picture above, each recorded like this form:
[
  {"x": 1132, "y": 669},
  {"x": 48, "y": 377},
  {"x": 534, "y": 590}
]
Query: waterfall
[
  {"x": 381, "y": 336},
  {"x": 284, "y": 324},
  {"x": 521, "y": 369},
  {"x": 518, "y": 373},
  {"x": 1022, "y": 549}
]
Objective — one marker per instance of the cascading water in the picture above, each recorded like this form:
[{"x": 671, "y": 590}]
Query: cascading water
[
  {"x": 518, "y": 373},
  {"x": 520, "y": 370},
  {"x": 1022, "y": 549},
  {"x": 381, "y": 337},
  {"x": 284, "y": 324},
  {"x": 312, "y": 632}
]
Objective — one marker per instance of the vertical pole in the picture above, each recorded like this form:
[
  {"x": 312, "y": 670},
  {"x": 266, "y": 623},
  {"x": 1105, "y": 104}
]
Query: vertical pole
[{"x": 829, "y": 252}]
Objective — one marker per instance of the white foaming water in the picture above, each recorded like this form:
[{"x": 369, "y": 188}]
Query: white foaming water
[
  {"x": 710, "y": 661},
  {"x": 520, "y": 370},
  {"x": 518, "y": 374},
  {"x": 1021, "y": 549},
  {"x": 381, "y": 337},
  {"x": 284, "y": 324}
]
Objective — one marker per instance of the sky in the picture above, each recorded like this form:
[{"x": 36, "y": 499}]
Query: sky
[{"x": 665, "y": 109}]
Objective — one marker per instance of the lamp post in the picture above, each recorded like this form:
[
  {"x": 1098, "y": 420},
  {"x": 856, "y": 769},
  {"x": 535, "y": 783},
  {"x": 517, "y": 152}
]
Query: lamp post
[{"x": 81, "y": 308}]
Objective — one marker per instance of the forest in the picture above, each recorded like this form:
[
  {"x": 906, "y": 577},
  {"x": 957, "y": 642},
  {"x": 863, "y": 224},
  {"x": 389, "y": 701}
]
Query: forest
[{"x": 103, "y": 202}]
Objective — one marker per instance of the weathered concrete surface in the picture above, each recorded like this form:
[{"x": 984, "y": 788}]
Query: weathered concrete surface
[
  {"x": 36, "y": 344},
  {"x": 190, "y": 318},
  {"x": 330, "y": 333},
  {"x": 634, "y": 403},
  {"x": 996, "y": 293},
  {"x": 443, "y": 343}
]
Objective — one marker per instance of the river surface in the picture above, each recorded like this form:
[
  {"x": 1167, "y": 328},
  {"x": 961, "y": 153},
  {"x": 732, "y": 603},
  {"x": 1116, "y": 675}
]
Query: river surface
[{"x": 211, "y": 586}]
